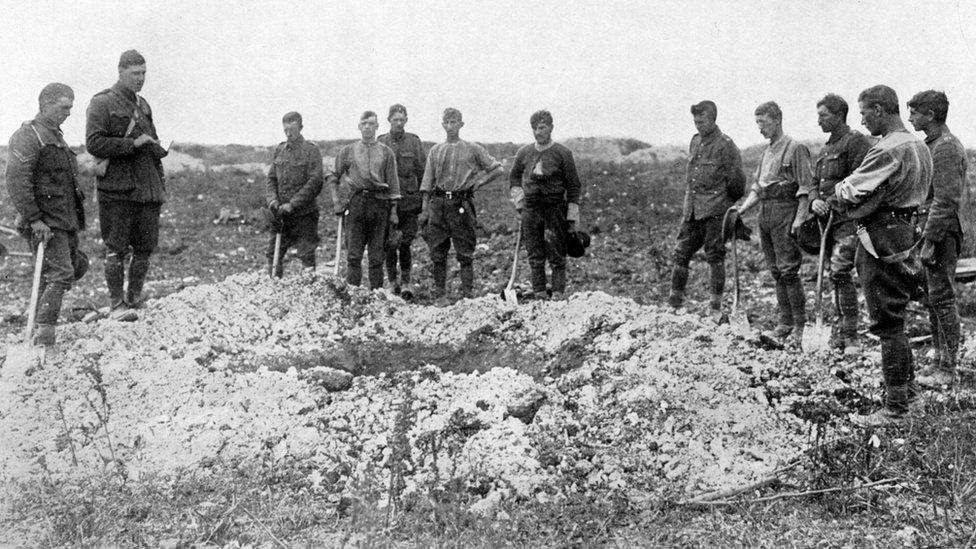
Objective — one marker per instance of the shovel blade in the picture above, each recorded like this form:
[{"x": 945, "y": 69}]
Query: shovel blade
[
  {"x": 816, "y": 338},
  {"x": 510, "y": 296},
  {"x": 740, "y": 324}
]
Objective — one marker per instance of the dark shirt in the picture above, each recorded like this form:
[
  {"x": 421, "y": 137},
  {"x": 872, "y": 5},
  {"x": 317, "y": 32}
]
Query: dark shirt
[
  {"x": 410, "y": 159},
  {"x": 714, "y": 176},
  {"x": 134, "y": 174},
  {"x": 949, "y": 166},
  {"x": 296, "y": 176},
  {"x": 841, "y": 155},
  {"x": 546, "y": 176},
  {"x": 42, "y": 177}
]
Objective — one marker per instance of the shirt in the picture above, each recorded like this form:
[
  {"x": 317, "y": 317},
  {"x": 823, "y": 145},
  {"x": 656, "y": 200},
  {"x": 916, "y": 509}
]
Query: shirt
[
  {"x": 369, "y": 167},
  {"x": 949, "y": 166},
  {"x": 549, "y": 173},
  {"x": 785, "y": 162},
  {"x": 714, "y": 173},
  {"x": 410, "y": 158},
  {"x": 455, "y": 166},
  {"x": 896, "y": 173},
  {"x": 296, "y": 176}
]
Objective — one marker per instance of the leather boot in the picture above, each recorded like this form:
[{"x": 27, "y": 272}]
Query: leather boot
[
  {"x": 539, "y": 280},
  {"x": 439, "y": 272},
  {"x": 559, "y": 280},
  {"x": 679, "y": 281},
  {"x": 949, "y": 326},
  {"x": 44, "y": 335},
  {"x": 798, "y": 301},
  {"x": 354, "y": 273},
  {"x": 467, "y": 281},
  {"x": 115, "y": 279},
  {"x": 138, "y": 269},
  {"x": 783, "y": 305},
  {"x": 716, "y": 278},
  {"x": 937, "y": 336},
  {"x": 894, "y": 411}
]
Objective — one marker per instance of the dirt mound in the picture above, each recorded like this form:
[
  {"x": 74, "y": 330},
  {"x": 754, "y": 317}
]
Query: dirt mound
[{"x": 362, "y": 390}]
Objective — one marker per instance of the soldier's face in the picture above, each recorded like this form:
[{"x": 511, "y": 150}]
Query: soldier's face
[
  {"x": 58, "y": 111},
  {"x": 133, "y": 77},
  {"x": 452, "y": 126},
  {"x": 368, "y": 127},
  {"x": 827, "y": 120},
  {"x": 293, "y": 130},
  {"x": 703, "y": 122},
  {"x": 870, "y": 117},
  {"x": 919, "y": 120},
  {"x": 767, "y": 125},
  {"x": 397, "y": 122},
  {"x": 542, "y": 132}
]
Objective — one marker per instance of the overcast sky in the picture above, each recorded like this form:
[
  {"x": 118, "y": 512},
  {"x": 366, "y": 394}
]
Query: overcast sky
[{"x": 225, "y": 72}]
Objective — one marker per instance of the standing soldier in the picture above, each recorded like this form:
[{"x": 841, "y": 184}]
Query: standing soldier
[
  {"x": 43, "y": 186},
  {"x": 942, "y": 230},
  {"x": 715, "y": 181},
  {"x": 783, "y": 182},
  {"x": 131, "y": 189},
  {"x": 888, "y": 187},
  {"x": 844, "y": 151},
  {"x": 410, "y": 159},
  {"x": 546, "y": 191},
  {"x": 455, "y": 169},
  {"x": 368, "y": 168},
  {"x": 294, "y": 182}
]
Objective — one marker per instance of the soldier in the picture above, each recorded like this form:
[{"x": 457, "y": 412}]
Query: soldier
[
  {"x": 715, "y": 180},
  {"x": 844, "y": 151},
  {"x": 131, "y": 189},
  {"x": 942, "y": 231},
  {"x": 783, "y": 183},
  {"x": 294, "y": 181},
  {"x": 455, "y": 170},
  {"x": 546, "y": 190},
  {"x": 888, "y": 187},
  {"x": 368, "y": 168},
  {"x": 410, "y": 159},
  {"x": 43, "y": 186}
]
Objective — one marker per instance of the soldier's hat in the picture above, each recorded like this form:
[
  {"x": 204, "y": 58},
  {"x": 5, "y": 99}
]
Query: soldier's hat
[
  {"x": 733, "y": 226},
  {"x": 576, "y": 243},
  {"x": 808, "y": 236}
]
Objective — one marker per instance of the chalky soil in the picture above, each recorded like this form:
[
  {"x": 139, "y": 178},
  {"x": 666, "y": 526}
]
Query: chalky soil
[{"x": 542, "y": 400}]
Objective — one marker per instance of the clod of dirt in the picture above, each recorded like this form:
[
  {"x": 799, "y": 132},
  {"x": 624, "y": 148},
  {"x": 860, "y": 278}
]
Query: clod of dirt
[{"x": 331, "y": 379}]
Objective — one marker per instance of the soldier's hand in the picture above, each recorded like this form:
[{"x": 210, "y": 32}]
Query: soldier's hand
[
  {"x": 423, "y": 218},
  {"x": 273, "y": 206},
  {"x": 571, "y": 226},
  {"x": 928, "y": 253},
  {"x": 394, "y": 220},
  {"x": 795, "y": 228},
  {"x": 820, "y": 208},
  {"x": 286, "y": 208},
  {"x": 143, "y": 139},
  {"x": 40, "y": 231}
]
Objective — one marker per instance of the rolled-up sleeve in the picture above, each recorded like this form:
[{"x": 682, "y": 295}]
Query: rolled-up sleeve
[
  {"x": 877, "y": 167},
  {"x": 803, "y": 170},
  {"x": 390, "y": 173}
]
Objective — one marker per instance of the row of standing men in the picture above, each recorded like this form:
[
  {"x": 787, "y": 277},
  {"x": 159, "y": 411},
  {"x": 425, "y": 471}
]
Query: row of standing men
[{"x": 890, "y": 204}]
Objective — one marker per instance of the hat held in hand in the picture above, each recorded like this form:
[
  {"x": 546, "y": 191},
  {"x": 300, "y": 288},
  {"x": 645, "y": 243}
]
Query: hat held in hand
[
  {"x": 576, "y": 243},
  {"x": 733, "y": 226}
]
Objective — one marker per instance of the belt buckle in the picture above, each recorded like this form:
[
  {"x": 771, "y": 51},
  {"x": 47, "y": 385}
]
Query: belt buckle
[{"x": 449, "y": 195}]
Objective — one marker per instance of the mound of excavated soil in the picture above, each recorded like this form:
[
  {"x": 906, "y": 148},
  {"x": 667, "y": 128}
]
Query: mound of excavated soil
[{"x": 358, "y": 388}]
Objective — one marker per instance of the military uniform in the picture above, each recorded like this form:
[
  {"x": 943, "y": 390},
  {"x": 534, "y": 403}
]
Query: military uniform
[
  {"x": 449, "y": 179},
  {"x": 714, "y": 180},
  {"x": 783, "y": 175},
  {"x": 888, "y": 187},
  {"x": 843, "y": 153},
  {"x": 410, "y": 161},
  {"x": 369, "y": 170},
  {"x": 550, "y": 185},
  {"x": 42, "y": 183},
  {"x": 296, "y": 178},
  {"x": 132, "y": 191},
  {"x": 940, "y": 219}
]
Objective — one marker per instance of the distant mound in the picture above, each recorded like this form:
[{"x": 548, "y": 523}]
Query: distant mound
[{"x": 627, "y": 150}]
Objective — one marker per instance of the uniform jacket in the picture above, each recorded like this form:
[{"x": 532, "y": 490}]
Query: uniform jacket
[
  {"x": 841, "y": 155},
  {"x": 134, "y": 174},
  {"x": 715, "y": 179},
  {"x": 42, "y": 178},
  {"x": 548, "y": 176},
  {"x": 295, "y": 176},
  {"x": 949, "y": 166},
  {"x": 410, "y": 161}
]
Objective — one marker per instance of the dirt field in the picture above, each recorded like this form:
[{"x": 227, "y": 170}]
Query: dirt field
[{"x": 301, "y": 413}]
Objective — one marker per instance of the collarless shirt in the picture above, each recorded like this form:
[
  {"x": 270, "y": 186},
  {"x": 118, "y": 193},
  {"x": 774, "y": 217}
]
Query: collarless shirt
[
  {"x": 454, "y": 167},
  {"x": 785, "y": 162},
  {"x": 896, "y": 173}
]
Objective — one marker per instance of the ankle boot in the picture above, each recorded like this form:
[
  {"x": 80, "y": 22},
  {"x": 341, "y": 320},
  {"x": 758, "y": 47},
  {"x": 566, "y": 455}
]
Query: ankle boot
[
  {"x": 467, "y": 281},
  {"x": 138, "y": 269}
]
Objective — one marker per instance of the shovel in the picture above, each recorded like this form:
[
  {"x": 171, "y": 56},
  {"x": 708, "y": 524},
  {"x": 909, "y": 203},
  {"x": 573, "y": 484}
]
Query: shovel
[
  {"x": 818, "y": 339},
  {"x": 738, "y": 320},
  {"x": 509, "y": 293},
  {"x": 20, "y": 357},
  {"x": 335, "y": 266},
  {"x": 277, "y": 256}
]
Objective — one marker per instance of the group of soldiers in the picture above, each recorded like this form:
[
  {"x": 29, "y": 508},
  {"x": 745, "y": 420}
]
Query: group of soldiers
[{"x": 890, "y": 207}]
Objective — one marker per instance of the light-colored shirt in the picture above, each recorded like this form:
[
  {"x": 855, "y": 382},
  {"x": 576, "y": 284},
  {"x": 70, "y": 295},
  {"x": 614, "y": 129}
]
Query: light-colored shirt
[
  {"x": 785, "y": 162},
  {"x": 369, "y": 167},
  {"x": 896, "y": 173},
  {"x": 455, "y": 167}
]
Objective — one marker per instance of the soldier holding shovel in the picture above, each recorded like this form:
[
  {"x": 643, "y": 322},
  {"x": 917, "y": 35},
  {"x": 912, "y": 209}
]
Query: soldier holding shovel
[
  {"x": 294, "y": 181},
  {"x": 43, "y": 186}
]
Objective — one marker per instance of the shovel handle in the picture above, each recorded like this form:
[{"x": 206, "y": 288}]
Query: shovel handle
[
  {"x": 277, "y": 256},
  {"x": 824, "y": 230},
  {"x": 35, "y": 291},
  {"x": 518, "y": 242},
  {"x": 338, "y": 246}
]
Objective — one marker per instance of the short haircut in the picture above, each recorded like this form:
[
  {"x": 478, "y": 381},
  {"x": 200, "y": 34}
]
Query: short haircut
[
  {"x": 54, "y": 91},
  {"x": 130, "y": 58},
  {"x": 396, "y": 108},
  {"x": 451, "y": 113},
  {"x": 880, "y": 95},
  {"x": 932, "y": 101},
  {"x": 835, "y": 105},
  {"x": 703, "y": 107},
  {"x": 539, "y": 116},
  {"x": 366, "y": 115},
  {"x": 771, "y": 109},
  {"x": 291, "y": 117}
]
